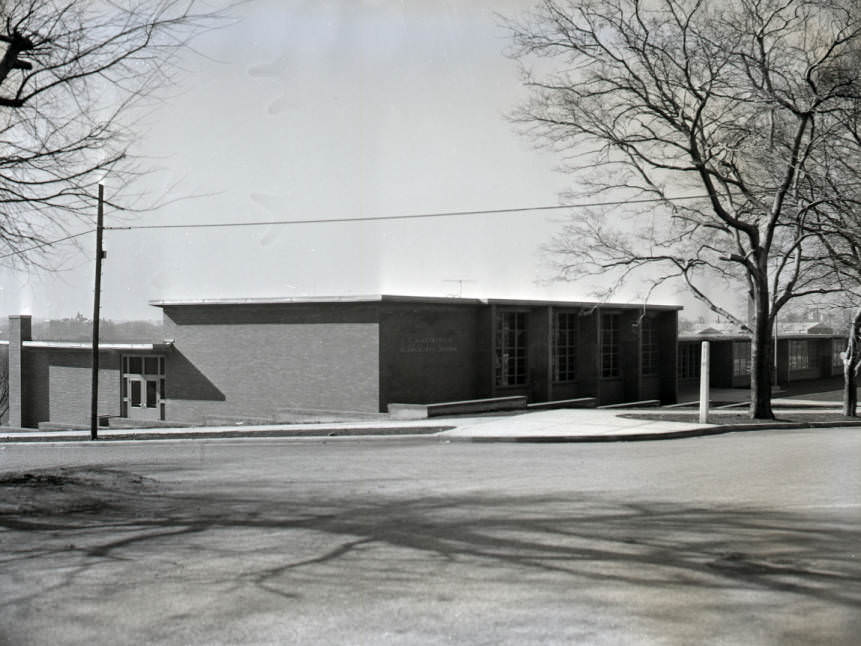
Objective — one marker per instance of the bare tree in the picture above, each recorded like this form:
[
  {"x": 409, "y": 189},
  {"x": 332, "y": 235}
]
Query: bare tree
[
  {"x": 71, "y": 74},
  {"x": 722, "y": 126}
]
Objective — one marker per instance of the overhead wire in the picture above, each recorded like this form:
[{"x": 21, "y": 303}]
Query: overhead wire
[
  {"x": 379, "y": 218},
  {"x": 46, "y": 244},
  {"x": 385, "y": 218}
]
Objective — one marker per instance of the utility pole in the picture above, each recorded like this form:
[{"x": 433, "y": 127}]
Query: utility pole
[{"x": 94, "y": 392}]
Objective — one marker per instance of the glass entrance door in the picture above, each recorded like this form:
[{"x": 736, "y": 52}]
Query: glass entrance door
[
  {"x": 143, "y": 398},
  {"x": 143, "y": 388}
]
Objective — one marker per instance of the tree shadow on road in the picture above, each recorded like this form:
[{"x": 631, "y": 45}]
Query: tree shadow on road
[{"x": 93, "y": 516}]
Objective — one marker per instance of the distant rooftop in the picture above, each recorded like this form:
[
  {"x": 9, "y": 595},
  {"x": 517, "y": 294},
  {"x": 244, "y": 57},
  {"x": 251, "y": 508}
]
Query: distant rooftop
[{"x": 730, "y": 331}]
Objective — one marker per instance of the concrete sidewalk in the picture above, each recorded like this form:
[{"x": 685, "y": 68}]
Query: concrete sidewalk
[
  {"x": 561, "y": 425},
  {"x": 572, "y": 425},
  {"x": 596, "y": 425}
]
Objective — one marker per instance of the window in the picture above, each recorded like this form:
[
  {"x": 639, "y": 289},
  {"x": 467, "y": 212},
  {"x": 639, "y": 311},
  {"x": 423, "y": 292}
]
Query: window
[
  {"x": 649, "y": 345},
  {"x": 565, "y": 335},
  {"x": 609, "y": 345},
  {"x": 689, "y": 360},
  {"x": 511, "y": 348},
  {"x": 144, "y": 366},
  {"x": 150, "y": 393},
  {"x": 151, "y": 365},
  {"x": 799, "y": 355},
  {"x": 838, "y": 347},
  {"x": 136, "y": 393},
  {"x": 740, "y": 358}
]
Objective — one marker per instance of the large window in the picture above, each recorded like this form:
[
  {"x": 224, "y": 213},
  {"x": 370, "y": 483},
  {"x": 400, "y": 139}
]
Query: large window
[
  {"x": 511, "y": 348},
  {"x": 689, "y": 360},
  {"x": 649, "y": 345},
  {"x": 609, "y": 345},
  {"x": 565, "y": 346},
  {"x": 740, "y": 358},
  {"x": 799, "y": 355}
]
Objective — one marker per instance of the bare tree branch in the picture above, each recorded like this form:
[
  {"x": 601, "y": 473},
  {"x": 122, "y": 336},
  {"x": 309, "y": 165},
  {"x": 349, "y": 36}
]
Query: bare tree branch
[
  {"x": 71, "y": 73},
  {"x": 754, "y": 103}
]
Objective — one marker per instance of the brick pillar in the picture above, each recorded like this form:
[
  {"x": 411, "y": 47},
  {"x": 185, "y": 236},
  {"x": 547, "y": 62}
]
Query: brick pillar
[{"x": 19, "y": 331}]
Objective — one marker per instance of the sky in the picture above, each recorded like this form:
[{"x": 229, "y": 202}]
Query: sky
[{"x": 330, "y": 109}]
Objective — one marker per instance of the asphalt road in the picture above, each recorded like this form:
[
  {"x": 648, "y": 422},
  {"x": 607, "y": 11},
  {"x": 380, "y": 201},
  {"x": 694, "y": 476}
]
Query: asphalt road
[{"x": 751, "y": 538}]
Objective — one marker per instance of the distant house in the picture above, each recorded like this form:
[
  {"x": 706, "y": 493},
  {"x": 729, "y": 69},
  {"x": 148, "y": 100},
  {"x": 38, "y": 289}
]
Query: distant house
[
  {"x": 804, "y": 351},
  {"x": 718, "y": 328},
  {"x": 261, "y": 359}
]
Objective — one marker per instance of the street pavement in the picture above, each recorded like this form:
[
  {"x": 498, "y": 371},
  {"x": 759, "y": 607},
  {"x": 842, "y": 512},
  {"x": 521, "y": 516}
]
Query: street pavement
[{"x": 738, "y": 539}]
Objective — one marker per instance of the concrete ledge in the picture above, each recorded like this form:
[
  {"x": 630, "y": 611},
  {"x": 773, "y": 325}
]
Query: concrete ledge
[
  {"x": 646, "y": 403},
  {"x": 465, "y": 407},
  {"x": 579, "y": 402},
  {"x": 317, "y": 415},
  {"x": 18, "y": 429},
  {"x": 235, "y": 420},
  {"x": 60, "y": 426},
  {"x": 126, "y": 422}
]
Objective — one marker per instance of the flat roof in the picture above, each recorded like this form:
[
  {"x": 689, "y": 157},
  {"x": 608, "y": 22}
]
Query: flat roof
[
  {"x": 265, "y": 300},
  {"x": 399, "y": 298}
]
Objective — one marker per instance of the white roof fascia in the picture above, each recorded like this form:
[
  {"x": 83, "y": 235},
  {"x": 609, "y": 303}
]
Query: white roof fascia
[
  {"x": 376, "y": 298},
  {"x": 72, "y": 345},
  {"x": 267, "y": 300}
]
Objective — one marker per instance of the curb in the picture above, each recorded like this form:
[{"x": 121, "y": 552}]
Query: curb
[
  {"x": 647, "y": 437},
  {"x": 400, "y": 432},
  {"x": 422, "y": 433}
]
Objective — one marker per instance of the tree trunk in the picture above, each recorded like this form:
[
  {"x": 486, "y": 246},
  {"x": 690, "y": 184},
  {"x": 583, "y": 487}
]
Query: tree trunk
[
  {"x": 850, "y": 391},
  {"x": 851, "y": 362},
  {"x": 760, "y": 362}
]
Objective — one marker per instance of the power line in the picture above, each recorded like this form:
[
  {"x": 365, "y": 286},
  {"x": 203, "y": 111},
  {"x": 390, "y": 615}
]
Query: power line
[
  {"x": 380, "y": 218},
  {"x": 385, "y": 218},
  {"x": 46, "y": 244}
]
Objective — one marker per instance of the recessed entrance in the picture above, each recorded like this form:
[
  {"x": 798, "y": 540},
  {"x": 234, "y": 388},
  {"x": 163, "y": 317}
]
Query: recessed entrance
[{"x": 143, "y": 387}]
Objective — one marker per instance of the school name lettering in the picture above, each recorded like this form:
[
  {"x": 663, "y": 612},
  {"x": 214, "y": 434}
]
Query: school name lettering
[{"x": 429, "y": 344}]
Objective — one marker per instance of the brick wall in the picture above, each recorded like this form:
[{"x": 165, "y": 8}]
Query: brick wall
[
  {"x": 254, "y": 360},
  {"x": 430, "y": 353},
  {"x": 57, "y": 385}
]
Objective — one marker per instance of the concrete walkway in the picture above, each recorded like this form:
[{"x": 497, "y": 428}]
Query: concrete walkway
[
  {"x": 562, "y": 425},
  {"x": 585, "y": 424}
]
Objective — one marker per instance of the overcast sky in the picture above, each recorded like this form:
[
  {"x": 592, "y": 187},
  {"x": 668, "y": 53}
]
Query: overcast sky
[{"x": 331, "y": 109}]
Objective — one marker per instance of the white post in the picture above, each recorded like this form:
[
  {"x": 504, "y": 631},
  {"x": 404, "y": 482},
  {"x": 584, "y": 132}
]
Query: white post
[{"x": 704, "y": 383}]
